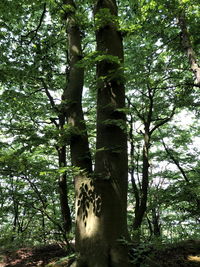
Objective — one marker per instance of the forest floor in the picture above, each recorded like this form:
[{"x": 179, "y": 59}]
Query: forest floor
[
  {"x": 44, "y": 256},
  {"x": 186, "y": 253}
]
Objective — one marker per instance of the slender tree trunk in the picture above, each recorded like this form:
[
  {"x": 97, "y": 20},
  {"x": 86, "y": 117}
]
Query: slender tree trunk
[
  {"x": 79, "y": 146},
  {"x": 134, "y": 185},
  {"x": 43, "y": 228},
  {"x": 187, "y": 45},
  {"x": 140, "y": 211},
  {"x": 141, "y": 191},
  {"x": 61, "y": 150},
  {"x": 72, "y": 96},
  {"x": 62, "y": 187},
  {"x": 156, "y": 223},
  {"x": 150, "y": 226},
  {"x": 183, "y": 173}
]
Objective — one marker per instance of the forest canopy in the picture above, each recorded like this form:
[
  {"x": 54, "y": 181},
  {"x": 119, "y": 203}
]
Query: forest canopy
[{"x": 99, "y": 114}]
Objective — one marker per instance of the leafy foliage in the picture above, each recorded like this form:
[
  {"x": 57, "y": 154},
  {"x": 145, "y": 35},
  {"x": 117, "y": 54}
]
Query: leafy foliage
[{"x": 160, "y": 87}]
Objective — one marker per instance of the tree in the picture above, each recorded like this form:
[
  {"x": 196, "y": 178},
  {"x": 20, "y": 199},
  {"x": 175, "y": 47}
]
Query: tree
[
  {"x": 101, "y": 196},
  {"x": 187, "y": 46},
  {"x": 54, "y": 142}
]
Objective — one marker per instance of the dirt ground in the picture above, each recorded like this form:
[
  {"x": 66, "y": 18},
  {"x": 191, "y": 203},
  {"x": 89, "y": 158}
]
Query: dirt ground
[
  {"x": 32, "y": 257},
  {"x": 183, "y": 254}
]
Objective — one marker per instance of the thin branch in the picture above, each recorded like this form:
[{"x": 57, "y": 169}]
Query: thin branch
[
  {"x": 138, "y": 113},
  {"x": 35, "y": 189},
  {"x": 132, "y": 168},
  {"x": 49, "y": 95},
  {"x": 193, "y": 84},
  {"x": 150, "y": 96},
  {"x": 35, "y": 31},
  {"x": 176, "y": 162},
  {"x": 163, "y": 121},
  {"x": 53, "y": 120},
  {"x": 36, "y": 91}
]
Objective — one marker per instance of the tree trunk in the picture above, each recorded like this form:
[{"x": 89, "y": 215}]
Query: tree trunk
[
  {"x": 187, "y": 46},
  {"x": 72, "y": 96},
  {"x": 61, "y": 150},
  {"x": 140, "y": 211},
  {"x": 183, "y": 173},
  {"x": 156, "y": 222},
  {"x": 101, "y": 200},
  {"x": 62, "y": 186}
]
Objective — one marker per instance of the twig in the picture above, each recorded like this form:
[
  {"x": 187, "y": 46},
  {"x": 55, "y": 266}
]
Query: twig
[{"x": 35, "y": 31}]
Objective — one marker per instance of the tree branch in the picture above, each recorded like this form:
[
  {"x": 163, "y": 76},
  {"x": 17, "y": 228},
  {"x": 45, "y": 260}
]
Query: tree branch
[
  {"x": 176, "y": 162},
  {"x": 53, "y": 105},
  {"x": 187, "y": 46},
  {"x": 35, "y": 31},
  {"x": 163, "y": 121},
  {"x": 138, "y": 113}
]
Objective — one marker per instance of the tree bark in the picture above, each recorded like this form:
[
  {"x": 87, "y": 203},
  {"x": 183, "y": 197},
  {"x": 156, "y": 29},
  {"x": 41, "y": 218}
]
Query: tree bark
[
  {"x": 141, "y": 209},
  {"x": 141, "y": 192},
  {"x": 187, "y": 46},
  {"x": 72, "y": 96},
  {"x": 156, "y": 223},
  {"x": 62, "y": 186},
  {"x": 61, "y": 150},
  {"x": 102, "y": 200}
]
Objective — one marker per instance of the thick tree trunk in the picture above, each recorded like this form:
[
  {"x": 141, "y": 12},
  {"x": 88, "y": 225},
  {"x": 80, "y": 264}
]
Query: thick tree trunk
[
  {"x": 101, "y": 197},
  {"x": 101, "y": 201},
  {"x": 111, "y": 156}
]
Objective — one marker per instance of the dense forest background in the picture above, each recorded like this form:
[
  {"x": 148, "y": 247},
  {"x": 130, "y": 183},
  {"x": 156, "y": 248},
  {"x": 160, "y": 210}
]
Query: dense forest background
[{"x": 161, "y": 74}]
